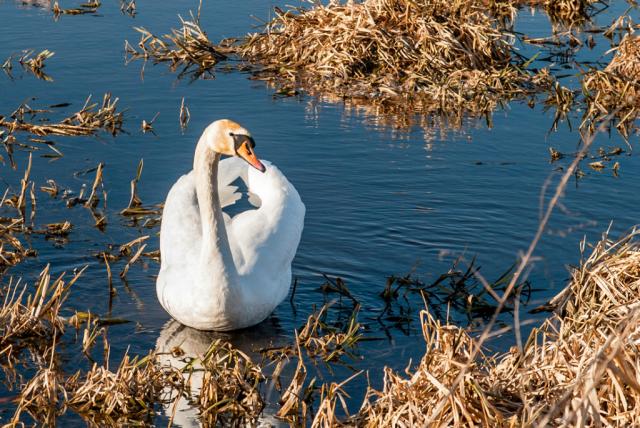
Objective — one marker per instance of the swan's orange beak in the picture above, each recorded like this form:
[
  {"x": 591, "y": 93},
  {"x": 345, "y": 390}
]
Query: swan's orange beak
[{"x": 246, "y": 152}]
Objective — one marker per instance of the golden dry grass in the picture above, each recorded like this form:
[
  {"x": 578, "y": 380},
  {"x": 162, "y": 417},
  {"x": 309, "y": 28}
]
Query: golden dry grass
[
  {"x": 27, "y": 315},
  {"x": 101, "y": 396},
  {"x": 437, "y": 56},
  {"x": 580, "y": 368},
  {"x": 230, "y": 386},
  {"x": 92, "y": 118},
  {"x": 188, "y": 47},
  {"x": 615, "y": 91}
]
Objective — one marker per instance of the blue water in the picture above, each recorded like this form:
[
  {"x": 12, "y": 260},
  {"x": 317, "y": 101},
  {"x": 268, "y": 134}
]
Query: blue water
[{"x": 379, "y": 203}]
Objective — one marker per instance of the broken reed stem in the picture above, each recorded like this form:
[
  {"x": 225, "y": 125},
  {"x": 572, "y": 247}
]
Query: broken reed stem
[
  {"x": 88, "y": 121},
  {"x": 27, "y": 315},
  {"x": 587, "y": 141},
  {"x": 187, "y": 47},
  {"x": 185, "y": 115},
  {"x": 92, "y": 200}
]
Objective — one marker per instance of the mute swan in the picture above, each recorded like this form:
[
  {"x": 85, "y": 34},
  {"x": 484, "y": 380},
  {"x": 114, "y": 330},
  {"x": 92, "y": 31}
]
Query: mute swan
[{"x": 222, "y": 273}]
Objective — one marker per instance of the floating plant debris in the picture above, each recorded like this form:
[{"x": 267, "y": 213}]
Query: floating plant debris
[
  {"x": 89, "y": 7},
  {"x": 128, "y": 7},
  {"x": 148, "y": 126},
  {"x": 188, "y": 47},
  {"x": 88, "y": 121},
  {"x": 34, "y": 64}
]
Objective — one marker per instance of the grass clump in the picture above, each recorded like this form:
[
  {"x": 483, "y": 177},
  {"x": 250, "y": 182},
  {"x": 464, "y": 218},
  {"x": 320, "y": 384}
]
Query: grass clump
[
  {"x": 87, "y": 121},
  {"x": 413, "y": 401},
  {"x": 188, "y": 47},
  {"x": 25, "y": 315},
  {"x": 578, "y": 369},
  {"x": 615, "y": 91},
  {"x": 421, "y": 56},
  {"x": 100, "y": 395},
  {"x": 230, "y": 386}
]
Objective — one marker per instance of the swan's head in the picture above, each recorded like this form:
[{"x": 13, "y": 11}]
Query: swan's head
[{"x": 228, "y": 138}]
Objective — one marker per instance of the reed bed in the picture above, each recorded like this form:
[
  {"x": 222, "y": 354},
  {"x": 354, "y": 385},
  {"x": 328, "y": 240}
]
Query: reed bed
[
  {"x": 188, "y": 47},
  {"x": 92, "y": 118},
  {"x": 615, "y": 90},
  {"x": 437, "y": 56},
  {"x": 100, "y": 395},
  {"x": 578, "y": 369},
  {"x": 230, "y": 387}
]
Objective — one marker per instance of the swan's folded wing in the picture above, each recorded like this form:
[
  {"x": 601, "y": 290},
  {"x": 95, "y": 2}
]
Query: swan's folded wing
[
  {"x": 181, "y": 231},
  {"x": 264, "y": 241},
  {"x": 229, "y": 170}
]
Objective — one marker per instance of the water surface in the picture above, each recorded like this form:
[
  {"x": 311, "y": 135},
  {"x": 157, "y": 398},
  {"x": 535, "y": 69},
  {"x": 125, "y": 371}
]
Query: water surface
[{"x": 378, "y": 203}]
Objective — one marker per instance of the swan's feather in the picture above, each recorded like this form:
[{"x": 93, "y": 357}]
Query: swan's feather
[{"x": 263, "y": 242}]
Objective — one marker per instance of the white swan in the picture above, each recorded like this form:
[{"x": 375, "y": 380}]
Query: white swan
[{"x": 223, "y": 273}]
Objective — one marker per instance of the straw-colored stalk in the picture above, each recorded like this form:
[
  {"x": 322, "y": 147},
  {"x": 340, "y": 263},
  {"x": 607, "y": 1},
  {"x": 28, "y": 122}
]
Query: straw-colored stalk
[
  {"x": 580, "y": 368},
  {"x": 88, "y": 121},
  {"x": 24, "y": 315},
  {"x": 420, "y": 57},
  {"x": 186, "y": 47},
  {"x": 230, "y": 386}
]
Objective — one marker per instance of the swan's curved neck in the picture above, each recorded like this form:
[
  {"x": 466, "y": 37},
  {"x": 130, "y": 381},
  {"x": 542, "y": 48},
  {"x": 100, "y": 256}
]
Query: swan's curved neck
[{"x": 215, "y": 253}]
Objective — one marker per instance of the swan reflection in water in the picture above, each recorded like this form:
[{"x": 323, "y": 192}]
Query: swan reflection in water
[{"x": 194, "y": 344}]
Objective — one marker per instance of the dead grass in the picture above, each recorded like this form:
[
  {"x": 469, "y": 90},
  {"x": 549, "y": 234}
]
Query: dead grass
[
  {"x": 580, "y": 368},
  {"x": 626, "y": 62},
  {"x": 100, "y": 396},
  {"x": 87, "y": 121},
  {"x": 26, "y": 315},
  {"x": 615, "y": 90},
  {"x": 442, "y": 56},
  {"x": 230, "y": 386},
  {"x": 188, "y": 47}
]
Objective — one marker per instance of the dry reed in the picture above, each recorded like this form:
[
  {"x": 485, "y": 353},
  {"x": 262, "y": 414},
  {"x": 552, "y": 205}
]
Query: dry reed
[
  {"x": 101, "y": 396},
  {"x": 24, "y": 315},
  {"x": 188, "y": 47},
  {"x": 615, "y": 90},
  {"x": 87, "y": 121},
  {"x": 230, "y": 386},
  {"x": 578, "y": 369},
  {"x": 420, "y": 57}
]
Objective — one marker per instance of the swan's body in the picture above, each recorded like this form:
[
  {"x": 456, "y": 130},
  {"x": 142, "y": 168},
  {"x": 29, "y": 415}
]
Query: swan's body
[{"x": 218, "y": 272}]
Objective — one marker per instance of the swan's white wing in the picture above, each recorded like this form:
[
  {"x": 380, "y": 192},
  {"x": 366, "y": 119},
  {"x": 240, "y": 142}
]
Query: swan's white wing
[
  {"x": 181, "y": 231},
  {"x": 264, "y": 241}
]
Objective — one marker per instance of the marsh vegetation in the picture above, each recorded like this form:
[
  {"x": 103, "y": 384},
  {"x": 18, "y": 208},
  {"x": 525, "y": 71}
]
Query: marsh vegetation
[{"x": 475, "y": 337}]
